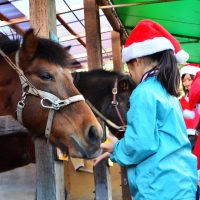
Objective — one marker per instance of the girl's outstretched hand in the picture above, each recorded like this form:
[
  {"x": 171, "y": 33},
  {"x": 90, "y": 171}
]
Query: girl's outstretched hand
[{"x": 107, "y": 148}]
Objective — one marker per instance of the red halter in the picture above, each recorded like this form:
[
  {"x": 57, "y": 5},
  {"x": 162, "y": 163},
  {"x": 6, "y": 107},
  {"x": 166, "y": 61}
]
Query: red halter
[{"x": 115, "y": 104}]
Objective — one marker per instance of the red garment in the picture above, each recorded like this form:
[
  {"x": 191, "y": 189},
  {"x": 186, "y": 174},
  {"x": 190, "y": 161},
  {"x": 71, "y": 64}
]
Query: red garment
[
  {"x": 196, "y": 150},
  {"x": 190, "y": 123},
  {"x": 195, "y": 99},
  {"x": 195, "y": 91}
]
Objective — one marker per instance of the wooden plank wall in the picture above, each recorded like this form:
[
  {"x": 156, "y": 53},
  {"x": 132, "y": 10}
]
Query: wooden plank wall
[{"x": 50, "y": 172}]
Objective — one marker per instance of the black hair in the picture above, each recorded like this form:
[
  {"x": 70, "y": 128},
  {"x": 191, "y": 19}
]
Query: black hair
[{"x": 168, "y": 72}]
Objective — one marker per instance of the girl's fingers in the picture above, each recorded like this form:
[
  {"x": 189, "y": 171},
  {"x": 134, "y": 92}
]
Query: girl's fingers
[{"x": 101, "y": 157}]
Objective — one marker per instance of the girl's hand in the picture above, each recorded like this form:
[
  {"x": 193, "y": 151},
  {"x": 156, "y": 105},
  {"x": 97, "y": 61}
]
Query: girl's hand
[
  {"x": 107, "y": 148},
  {"x": 101, "y": 157}
]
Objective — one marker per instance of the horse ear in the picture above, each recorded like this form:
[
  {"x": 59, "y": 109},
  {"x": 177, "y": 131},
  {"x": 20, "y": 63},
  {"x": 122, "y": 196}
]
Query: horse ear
[
  {"x": 68, "y": 48},
  {"x": 29, "y": 45},
  {"x": 126, "y": 84},
  {"x": 123, "y": 85}
]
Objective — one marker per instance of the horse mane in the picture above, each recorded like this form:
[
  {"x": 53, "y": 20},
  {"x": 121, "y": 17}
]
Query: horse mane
[
  {"x": 53, "y": 52},
  {"x": 94, "y": 73},
  {"x": 48, "y": 50},
  {"x": 7, "y": 45},
  {"x": 103, "y": 72}
]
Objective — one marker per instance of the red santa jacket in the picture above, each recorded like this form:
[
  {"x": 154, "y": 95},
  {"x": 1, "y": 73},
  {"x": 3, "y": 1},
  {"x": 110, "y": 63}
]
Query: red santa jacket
[
  {"x": 194, "y": 101},
  {"x": 190, "y": 123}
]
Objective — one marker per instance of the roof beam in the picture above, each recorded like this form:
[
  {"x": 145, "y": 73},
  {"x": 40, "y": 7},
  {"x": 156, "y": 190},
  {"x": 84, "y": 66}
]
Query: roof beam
[
  {"x": 12, "y": 23},
  {"x": 113, "y": 20},
  {"x": 81, "y": 35},
  {"x": 70, "y": 30},
  {"x": 134, "y": 4}
]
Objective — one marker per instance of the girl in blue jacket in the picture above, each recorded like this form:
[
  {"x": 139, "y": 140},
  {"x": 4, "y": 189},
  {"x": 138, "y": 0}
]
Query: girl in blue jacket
[{"x": 155, "y": 147}]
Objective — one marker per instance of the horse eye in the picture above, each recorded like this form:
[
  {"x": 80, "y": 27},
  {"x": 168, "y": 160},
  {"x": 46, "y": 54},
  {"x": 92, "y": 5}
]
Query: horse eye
[{"x": 46, "y": 76}]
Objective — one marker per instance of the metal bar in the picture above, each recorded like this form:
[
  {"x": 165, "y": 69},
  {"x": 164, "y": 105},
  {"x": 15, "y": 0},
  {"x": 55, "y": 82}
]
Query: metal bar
[
  {"x": 70, "y": 30},
  {"x": 134, "y": 4}
]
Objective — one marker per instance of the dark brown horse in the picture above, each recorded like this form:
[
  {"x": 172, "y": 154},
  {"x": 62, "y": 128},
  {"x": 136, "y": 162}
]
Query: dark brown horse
[
  {"x": 108, "y": 92},
  {"x": 97, "y": 86},
  {"x": 32, "y": 74}
]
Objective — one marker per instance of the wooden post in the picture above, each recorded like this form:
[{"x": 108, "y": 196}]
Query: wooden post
[
  {"x": 102, "y": 178},
  {"x": 43, "y": 17},
  {"x": 49, "y": 172},
  {"x": 94, "y": 54},
  {"x": 126, "y": 195},
  {"x": 116, "y": 51},
  {"x": 93, "y": 34},
  {"x": 102, "y": 181},
  {"x": 118, "y": 66}
]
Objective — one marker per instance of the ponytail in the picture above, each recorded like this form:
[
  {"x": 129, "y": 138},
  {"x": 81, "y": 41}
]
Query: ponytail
[{"x": 168, "y": 72}]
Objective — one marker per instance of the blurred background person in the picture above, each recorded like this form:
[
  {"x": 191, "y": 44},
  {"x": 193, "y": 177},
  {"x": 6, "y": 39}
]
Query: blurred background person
[
  {"x": 191, "y": 113},
  {"x": 191, "y": 118}
]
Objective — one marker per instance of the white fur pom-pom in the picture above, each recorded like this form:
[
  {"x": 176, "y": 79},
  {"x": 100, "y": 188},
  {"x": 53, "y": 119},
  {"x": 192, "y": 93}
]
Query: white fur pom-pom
[
  {"x": 188, "y": 114},
  {"x": 182, "y": 56}
]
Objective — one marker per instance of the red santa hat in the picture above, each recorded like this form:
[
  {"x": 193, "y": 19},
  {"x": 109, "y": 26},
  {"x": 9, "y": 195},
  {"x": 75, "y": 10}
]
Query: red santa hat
[
  {"x": 189, "y": 69},
  {"x": 149, "y": 37}
]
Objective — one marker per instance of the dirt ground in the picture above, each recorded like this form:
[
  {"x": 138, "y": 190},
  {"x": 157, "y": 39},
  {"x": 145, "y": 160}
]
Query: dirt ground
[{"x": 19, "y": 184}]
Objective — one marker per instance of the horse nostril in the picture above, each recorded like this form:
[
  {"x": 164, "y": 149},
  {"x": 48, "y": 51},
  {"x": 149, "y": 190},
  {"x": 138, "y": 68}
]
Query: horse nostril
[{"x": 93, "y": 136}]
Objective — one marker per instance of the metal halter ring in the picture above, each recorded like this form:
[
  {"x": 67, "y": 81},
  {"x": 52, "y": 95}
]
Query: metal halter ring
[{"x": 53, "y": 106}]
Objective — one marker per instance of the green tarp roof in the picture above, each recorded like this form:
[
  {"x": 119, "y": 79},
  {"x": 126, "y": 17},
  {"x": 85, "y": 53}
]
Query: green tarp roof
[{"x": 180, "y": 17}]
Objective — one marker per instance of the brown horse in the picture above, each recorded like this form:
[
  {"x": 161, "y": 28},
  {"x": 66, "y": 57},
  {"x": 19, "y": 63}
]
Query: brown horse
[
  {"x": 97, "y": 86},
  {"x": 32, "y": 74}
]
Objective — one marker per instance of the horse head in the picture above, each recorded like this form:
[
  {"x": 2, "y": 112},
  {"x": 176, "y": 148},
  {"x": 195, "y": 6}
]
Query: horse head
[
  {"x": 47, "y": 96},
  {"x": 109, "y": 93},
  {"x": 116, "y": 105}
]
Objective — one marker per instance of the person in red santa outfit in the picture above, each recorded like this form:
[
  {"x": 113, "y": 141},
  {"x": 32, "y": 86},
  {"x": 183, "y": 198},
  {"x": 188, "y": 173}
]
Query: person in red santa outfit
[
  {"x": 189, "y": 102},
  {"x": 191, "y": 118},
  {"x": 194, "y": 102}
]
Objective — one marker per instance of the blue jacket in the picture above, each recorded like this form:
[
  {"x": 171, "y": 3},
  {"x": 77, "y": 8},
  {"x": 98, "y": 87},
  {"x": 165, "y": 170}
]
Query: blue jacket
[{"x": 155, "y": 147}]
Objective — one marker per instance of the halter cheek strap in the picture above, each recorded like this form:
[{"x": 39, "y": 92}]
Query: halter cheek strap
[{"x": 115, "y": 103}]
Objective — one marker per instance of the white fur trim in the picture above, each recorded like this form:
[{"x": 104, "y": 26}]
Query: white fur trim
[
  {"x": 191, "y": 131},
  {"x": 188, "y": 114},
  {"x": 145, "y": 48},
  {"x": 182, "y": 57},
  {"x": 189, "y": 69}
]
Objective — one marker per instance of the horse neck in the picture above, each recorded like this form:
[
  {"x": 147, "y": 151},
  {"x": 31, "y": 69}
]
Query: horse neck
[{"x": 10, "y": 90}]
